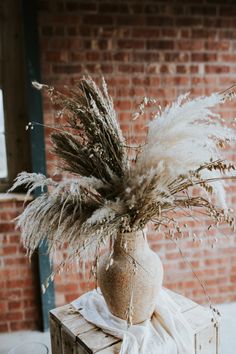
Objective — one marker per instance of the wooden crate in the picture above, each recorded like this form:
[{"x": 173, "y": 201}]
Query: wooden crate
[{"x": 72, "y": 334}]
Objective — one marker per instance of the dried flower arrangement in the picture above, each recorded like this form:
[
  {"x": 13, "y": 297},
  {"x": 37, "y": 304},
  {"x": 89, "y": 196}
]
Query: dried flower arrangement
[{"x": 108, "y": 193}]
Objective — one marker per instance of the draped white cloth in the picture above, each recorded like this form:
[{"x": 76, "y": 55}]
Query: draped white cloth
[{"x": 166, "y": 333}]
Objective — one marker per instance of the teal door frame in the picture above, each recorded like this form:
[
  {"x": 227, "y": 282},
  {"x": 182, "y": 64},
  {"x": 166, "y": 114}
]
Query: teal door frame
[{"x": 35, "y": 113}]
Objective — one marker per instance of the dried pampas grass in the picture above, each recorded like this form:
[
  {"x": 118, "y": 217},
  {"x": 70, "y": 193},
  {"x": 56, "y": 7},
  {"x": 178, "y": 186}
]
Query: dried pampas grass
[{"x": 107, "y": 194}]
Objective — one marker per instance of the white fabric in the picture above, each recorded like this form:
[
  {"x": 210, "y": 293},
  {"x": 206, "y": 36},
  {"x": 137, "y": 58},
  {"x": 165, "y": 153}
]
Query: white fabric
[{"x": 167, "y": 333}]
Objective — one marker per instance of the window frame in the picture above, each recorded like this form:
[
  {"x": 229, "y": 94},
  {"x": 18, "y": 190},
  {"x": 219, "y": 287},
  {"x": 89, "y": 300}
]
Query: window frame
[
  {"x": 13, "y": 84},
  {"x": 1, "y": 94}
]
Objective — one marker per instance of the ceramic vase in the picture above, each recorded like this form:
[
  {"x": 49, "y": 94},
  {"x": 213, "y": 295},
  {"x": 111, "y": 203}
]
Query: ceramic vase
[{"x": 131, "y": 279}]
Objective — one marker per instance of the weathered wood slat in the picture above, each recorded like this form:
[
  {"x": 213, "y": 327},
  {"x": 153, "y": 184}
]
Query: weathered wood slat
[
  {"x": 97, "y": 340},
  {"x": 55, "y": 330},
  {"x": 218, "y": 339},
  {"x": 81, "y": 349},
  {"x": 76, "y": 324},
  {"x": 71, "y": 319},
  {"x": 113, "y": 349},
  {"x": 68, "y": 342},
  {"x": 60, "y": 313},
  {"x": 205, "y": 341},
  {"x": 198, "y": 317}
]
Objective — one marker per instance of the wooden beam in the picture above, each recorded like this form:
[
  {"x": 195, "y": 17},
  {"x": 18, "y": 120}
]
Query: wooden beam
[{"x": 35, "y": 114}]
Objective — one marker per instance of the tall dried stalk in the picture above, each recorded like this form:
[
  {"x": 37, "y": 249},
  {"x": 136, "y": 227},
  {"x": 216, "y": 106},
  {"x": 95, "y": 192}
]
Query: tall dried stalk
[{"x": 107, "y": 195}]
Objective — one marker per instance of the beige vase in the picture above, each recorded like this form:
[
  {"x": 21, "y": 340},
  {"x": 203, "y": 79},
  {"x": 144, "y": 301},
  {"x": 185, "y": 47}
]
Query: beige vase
[{"x": 131, "y": 283}]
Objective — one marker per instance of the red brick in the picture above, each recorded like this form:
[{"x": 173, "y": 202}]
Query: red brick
[
  {"x": 128, "y": 20},
  {"x": 13, "y": 305},
  {"x": 160, "y": 44},
  {"x": 122, "y": 56},
  {"x": 113, "y": 8},
  {"x": 227, "y": 11},
  {"x": 92, "y": 56},
  {"x": 3, "y": 306},
  {"x": 13, "y": 316},
  {"x": 14, "y": 283},
  {"x": 130, "y": 44},
  {"x": 204, "y": 33},
  {"x": 182, "y": 69},
  {"x": 160, "y": 21},
  {"x": 173, "y": 255},
  {"x": 227, "y": 57},
  {"x": 71, "y": 288},
  {"x": 192, "y": 45},
  {"x": 8, "y": 215},
  {"x": 123, "y": 105},
  {"x": 81, "y": 6},
  {"x": 188, "y": 21},
  {"x": 98, "y": 19},
  {"x": 6, "y": 227},
  {"x": 72, "y": 296},
  {"x": 3, "y": 327},
  {"x": 66, "y": 69},
  {"x": 204, "y": 57},
  {"x": 203, "y": 10},
  {"x": 9, "y": 250},
  {"x": 145, "y": 32},
  {"x": 128, "y": 68},
  {"x": 10, "y": 294},
  {"x": 185, "y": 33},
  {"x": 177, "y": 56},
  {"x": 56, "y": 56},
  {"x": 217, "y": 69},
  {"x": 169, "y": 32},
  {"x": 23, "y": 325},
  {"x": 16, "y": 261},
  {"x": 29, "y": 314},
  {"x": 223, "y": 45},
  {"x": 178, "y": 80},
  {"x": 14, "y": 238}
]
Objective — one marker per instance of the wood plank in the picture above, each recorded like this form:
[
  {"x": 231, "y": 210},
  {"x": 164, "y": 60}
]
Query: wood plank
[
  {"x": 68, "y": 342},
  {"x": 218, "y": 339},
  {"x": 96, "y": 340},
  {"x": 55, "y": 332},
  {"x": 198, "y": 318},
  {"x": 113, "y": 349},
  {"x": 77, "y": 324},
  {"x": 60, "y": 313},
  {"x": 80, "y": 349},
  {"x": 71, "y": 319},
  {"x": 205, "y": 341}
]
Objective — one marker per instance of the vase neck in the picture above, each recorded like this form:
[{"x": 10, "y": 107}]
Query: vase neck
[{"x": 130, "y": 241}]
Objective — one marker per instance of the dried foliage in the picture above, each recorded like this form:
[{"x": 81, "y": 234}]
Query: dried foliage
[{"x": 108, "y": 193}]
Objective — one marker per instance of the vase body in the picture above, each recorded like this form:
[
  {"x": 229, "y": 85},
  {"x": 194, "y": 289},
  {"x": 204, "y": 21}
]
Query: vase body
[{"x": 133, "y": 279}]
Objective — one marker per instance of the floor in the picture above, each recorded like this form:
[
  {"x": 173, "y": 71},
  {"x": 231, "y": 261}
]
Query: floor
[
  {"x": 227, "y": 336},
  {"x": 9, "y": 340}
]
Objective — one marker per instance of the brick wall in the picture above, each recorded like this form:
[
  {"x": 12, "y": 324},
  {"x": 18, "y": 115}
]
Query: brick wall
[
  {"x": 18, "y": 299},
  {"x": 159, "y": 49}
]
